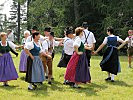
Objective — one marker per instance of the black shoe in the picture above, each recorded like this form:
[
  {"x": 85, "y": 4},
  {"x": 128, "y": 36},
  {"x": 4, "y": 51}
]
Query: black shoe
[
  {"x": 108, "y": 79},
  {"x": 112, "y": 81},
  {"x": 49, "y": 82},
  {"x": 16, "y": 54},
  {"x": 30, "y": 88},
  {"x": 35, "y": 86},
  {"x": 46, "y": 77},
  {"x": 66, "y": 82},
  {"x": 6, "y": 85},
  {"x": 52, "y": 78}
]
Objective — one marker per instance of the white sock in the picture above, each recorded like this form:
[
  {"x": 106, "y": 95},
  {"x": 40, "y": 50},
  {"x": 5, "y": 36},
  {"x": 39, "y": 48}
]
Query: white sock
[
  {"x": 112, "y": 77},
  {"x": 30, "y": 86}
]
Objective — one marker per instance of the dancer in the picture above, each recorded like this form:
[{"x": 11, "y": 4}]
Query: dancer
[
  {"x": 7, "y": 68},
  {"x": 77, "y": 69},
  {"x": 110, "y": 62},
  {"x": 10, "y": 37},
  {"x": 68, "y": 48},
  {"x": 35, "y": 70},
  {"x": 129, "y": 41},
  {"x": 89, "y": 40},
  {"x": 47, "y": 59},
  {"x": 23, "y": 57}
]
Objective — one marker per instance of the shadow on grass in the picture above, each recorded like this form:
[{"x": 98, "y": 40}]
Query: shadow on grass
[
  {"x": 10, "y": 87},
  {"x": 120, "y": 83},
  {"x": 22, "y": 78},
  {"x": 41, "y": 90},
  {"x": 91, "y": 89}
]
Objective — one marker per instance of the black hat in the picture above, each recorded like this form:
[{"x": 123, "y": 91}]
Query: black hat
[
  {"x": 85, "y": 24},
  {"x": 52, "y": 34},
  {"x": 34, "y": 28},
  {"x": 48, "y": 29},
  {"x": 69, "y": 32}
]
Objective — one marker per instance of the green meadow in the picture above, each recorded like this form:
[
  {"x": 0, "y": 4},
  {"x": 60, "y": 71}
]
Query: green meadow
[{"x": 99, "y": 89}]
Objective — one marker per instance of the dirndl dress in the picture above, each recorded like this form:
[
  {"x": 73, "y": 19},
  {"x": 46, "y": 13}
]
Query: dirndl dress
[
  {"x": 77, "y": 69},
  {"x": 64, "y": 60},
  {"x": 110, "y": 61},
  {"x": 7, "y": 68},
  {"x": 35, "y": 70},
  {"x": 23, "y": 62}
]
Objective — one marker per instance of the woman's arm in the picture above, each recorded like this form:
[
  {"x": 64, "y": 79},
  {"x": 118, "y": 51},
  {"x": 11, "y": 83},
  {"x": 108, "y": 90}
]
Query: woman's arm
[
  {"x": 124, "y": 43},
  {"x": 99, "y": 48},
  {"x": 76, "y": 50},
  {"x": 28, "y": 53}
]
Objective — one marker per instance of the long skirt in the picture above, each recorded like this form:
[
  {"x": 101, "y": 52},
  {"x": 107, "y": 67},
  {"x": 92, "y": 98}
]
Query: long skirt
[
  {"x": 23, "y": 62},
  {"x": 64, "y": 60},
  {"x": 110, "y": 62},
  {"x": 77, "y": 69},
  {"x": 35, "y": 70},
  {"x": 7, "y": 68},
  {"x": 82, "y": 70}
]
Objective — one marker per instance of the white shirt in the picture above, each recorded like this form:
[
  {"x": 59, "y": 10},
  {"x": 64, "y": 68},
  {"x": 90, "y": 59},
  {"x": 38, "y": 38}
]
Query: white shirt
[
  {"x": 106, "y": 40},
  {"x": 30, "y": 45},
  {"x": 127, "y": 40},
  {"x": 90, "y": 40},
  {"x": 46, "y": 44},
  {"x": 30, "y": 38},
  {"x": 68, "y": 46},
  {"x": 10, "y": 37},
  {"x": 77, "y": 41},
  {"x": 11, "y": 44}
]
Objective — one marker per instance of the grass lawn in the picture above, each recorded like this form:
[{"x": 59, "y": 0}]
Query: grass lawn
[{"x": 122, "y": 89}]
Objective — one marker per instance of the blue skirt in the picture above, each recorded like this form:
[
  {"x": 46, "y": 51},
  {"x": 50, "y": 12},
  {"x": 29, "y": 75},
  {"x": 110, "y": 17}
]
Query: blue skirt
[
  {"x": 7, "y": 68},
  {"x": 82, "y": 70},
  {"x": 35, "y": 70},
  {"x": 110, "y": 61}
]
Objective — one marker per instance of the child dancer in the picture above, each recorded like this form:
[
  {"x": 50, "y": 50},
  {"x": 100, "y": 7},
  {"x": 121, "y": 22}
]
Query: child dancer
[
  {"x": 77, "y": 69},
  {"x": 23, "y": 57},
  {"x": 35, "y": 71},
  {"x": 129, "y": 41},
  {"x": 7, "y": 68},
  {"x": 110, "y": 62}
]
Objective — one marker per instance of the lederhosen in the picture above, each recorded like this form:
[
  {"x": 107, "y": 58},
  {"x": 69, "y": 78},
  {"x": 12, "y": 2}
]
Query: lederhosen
[
  {"x": 130, "y": 46},
  {"x": 88, "y": 52}
]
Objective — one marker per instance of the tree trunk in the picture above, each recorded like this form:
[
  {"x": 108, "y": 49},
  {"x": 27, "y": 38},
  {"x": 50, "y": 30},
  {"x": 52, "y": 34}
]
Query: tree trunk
[{"x": 76, "y": 11}]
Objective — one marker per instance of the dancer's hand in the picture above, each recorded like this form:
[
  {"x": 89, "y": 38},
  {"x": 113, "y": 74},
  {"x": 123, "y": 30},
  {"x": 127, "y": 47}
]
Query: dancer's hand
[
  {"x": 80, "y": 53},
  {"x": 32, "y": 57},
  {"x": 49, "y": 56},
  {"x": 94, "y": 53}
]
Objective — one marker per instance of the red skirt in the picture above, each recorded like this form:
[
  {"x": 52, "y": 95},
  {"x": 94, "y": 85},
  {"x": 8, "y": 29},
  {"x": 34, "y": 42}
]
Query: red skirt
[{"x": 71, "y": 68}]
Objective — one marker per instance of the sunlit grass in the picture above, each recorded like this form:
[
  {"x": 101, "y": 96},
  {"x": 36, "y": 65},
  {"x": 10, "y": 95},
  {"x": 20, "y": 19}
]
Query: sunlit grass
[{"x": 122, "y": 89}]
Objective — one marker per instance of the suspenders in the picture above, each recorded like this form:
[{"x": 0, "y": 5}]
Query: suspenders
[{"x": 86, "y": 37}]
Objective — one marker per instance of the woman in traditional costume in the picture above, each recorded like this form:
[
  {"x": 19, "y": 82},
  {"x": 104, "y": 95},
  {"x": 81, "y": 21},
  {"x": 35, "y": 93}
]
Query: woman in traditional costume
[
  {"x": 7, "y": 68},
  {"x": 77, "y": 69},
  {"x": 110, "y": 62},
  {"x": 23, "y": 57},
  {"x": 35, "y": 70}
]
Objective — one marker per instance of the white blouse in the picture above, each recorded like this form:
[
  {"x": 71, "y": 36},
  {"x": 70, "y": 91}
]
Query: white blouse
[
  {"x": 68, "y": 46},
  {"x": 30, "y": 45},
  {"x": 106, "y": 40},
  {"x": 11, "y": 44},
  {"x": 77, "y": 41}
]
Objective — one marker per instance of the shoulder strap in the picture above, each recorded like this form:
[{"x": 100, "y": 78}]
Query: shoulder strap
[
  {"x": 66, "y": 40},
  {"x": 86, "y": 37}
]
